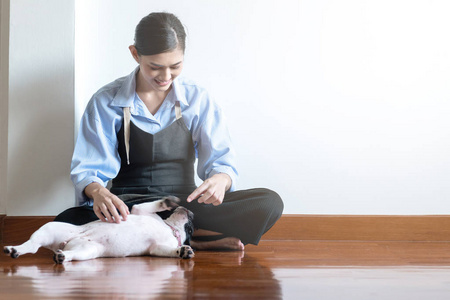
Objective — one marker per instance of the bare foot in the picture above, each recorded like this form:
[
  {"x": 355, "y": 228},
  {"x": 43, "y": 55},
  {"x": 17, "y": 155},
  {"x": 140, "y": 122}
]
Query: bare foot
[{"x": 229, "y": 243}]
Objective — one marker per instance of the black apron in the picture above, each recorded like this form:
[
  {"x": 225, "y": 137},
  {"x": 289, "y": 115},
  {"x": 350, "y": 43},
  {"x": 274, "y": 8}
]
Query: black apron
[{"x": 161, "y": 162}]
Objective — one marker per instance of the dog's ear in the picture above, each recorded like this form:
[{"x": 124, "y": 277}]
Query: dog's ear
[
  {"x": 173, "y": 199},
  {"x": 189, "y": 229}
]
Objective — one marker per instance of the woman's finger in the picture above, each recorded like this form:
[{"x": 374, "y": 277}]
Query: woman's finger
[
  {"x": 212, "y": 198},
  {"x": 197, "y": 192},
  {"x": 219, "y": 200},
  {"x": 113, "y": 211},
  {"x": 99, "y": 214},
  {"x": 207, "y": 197},
  {"x": 122, "y": 208},
  {"x": 106, "y": 213}
]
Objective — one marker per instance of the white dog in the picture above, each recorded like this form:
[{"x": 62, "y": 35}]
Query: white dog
[{"x": 143, "y": 233}]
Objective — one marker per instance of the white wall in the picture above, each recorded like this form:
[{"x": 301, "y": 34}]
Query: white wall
[
  {"x": 4, "y": 46},
  {"x": 41, "y": 107},
  {"x": 340, "y": 106}
]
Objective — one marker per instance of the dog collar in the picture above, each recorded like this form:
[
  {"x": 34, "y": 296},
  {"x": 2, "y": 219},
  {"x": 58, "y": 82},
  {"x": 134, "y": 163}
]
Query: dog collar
[{"x": 176, "y": 234}]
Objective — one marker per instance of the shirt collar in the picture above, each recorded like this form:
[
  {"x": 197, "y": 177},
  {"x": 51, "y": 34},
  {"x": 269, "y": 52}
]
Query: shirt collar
[
  {"x": 126, "y": 94},
  {"x": 175, "y": 94},
  {"x": 178, "y": 92}
]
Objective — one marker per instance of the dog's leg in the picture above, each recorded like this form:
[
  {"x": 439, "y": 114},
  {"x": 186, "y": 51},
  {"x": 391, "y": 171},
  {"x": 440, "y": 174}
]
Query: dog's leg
[
  {"x": 166, "y": 203},
  {"x": 79, "y": 249},
  {"x": 50, "y": 236},
  {"x": 184, "y": 251}
]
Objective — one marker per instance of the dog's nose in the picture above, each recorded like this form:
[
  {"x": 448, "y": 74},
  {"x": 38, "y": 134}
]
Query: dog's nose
[
  {"x": 181, "y": 209},
  {"x": 184, "y": 211}
]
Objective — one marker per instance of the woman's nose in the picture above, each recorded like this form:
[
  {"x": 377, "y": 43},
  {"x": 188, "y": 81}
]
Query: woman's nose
[{"x": 167, "y": 74}]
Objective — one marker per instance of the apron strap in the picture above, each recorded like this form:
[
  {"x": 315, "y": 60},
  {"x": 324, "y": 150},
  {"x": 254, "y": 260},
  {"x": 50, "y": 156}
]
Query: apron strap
[
  {"x": 126, "y": 131},
  {"x": 126, "y": 126},
  {"x": 178, "y": 110}
]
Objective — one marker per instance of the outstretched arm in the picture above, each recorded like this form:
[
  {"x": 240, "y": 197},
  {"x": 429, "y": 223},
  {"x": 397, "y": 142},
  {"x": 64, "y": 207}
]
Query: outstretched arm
[{"x": 216, "y": 155}]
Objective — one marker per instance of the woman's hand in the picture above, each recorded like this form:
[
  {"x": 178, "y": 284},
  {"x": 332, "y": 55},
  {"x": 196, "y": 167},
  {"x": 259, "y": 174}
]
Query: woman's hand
[
  {"x": 212, "y": 190},
  {"x": 106, "y": 205}
]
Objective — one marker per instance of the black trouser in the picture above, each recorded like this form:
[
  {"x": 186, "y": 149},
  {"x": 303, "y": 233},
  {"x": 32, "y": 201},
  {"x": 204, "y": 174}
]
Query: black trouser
[{"x": 246, "y": 214}]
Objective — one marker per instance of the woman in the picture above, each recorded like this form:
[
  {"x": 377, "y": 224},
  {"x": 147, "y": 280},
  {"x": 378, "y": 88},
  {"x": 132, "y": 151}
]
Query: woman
[{"x": 144, "y": 132}]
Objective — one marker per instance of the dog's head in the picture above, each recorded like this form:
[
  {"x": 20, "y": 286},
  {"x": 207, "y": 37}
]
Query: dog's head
[
  {"x": 182, "y": 215},
  {"x": 189, "y": 228}
]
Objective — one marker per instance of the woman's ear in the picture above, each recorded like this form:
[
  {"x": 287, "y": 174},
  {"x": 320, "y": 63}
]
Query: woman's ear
[{"x": 134, "y": 53}]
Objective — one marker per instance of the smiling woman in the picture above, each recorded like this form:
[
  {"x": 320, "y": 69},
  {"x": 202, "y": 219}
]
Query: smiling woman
[
  {"x": 144, "y": 132},
  {"x": 156, "y": 74},
  {"x": 159, "y": 50}
]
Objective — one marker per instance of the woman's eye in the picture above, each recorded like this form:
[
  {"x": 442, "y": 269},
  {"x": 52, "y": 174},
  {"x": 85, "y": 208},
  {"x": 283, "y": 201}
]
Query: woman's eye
[{"x": 154, "y": 69}]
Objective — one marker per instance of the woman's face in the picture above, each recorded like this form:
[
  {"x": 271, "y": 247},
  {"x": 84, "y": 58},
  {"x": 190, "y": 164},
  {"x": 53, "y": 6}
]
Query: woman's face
[{"x": 158, "y": 71}]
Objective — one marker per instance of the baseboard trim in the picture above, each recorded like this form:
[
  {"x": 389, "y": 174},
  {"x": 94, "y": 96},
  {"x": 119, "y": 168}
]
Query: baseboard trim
[
  {"x": 361, "y": 228},
  {"x": 17, "y": 229}
]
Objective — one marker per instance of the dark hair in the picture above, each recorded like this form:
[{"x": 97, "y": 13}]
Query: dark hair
[{"x": 158, "y": 33}]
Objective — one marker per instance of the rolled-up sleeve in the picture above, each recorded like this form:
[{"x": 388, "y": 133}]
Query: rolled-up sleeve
[
  {"x": 213, "y": 144},
  {"x": 95, "y": 157}
]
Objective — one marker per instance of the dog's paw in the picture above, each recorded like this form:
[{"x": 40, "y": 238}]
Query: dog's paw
[
  {"x": 169, "y": 203},
  {"x": 59, "y": 257},
  {"x": 11, "y": 251},
  {"x": 7, "y": 250},
  {"x": 185, "y": 252}
]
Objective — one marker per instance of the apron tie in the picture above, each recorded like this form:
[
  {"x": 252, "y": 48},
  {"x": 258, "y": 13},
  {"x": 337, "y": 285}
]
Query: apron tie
[
  {"x": 126, "y": 131},
  {"x": 178, "y": 110}
]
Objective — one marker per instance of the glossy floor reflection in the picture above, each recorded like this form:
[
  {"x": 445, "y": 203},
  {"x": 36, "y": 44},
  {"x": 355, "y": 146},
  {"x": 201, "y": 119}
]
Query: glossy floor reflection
[
  {"x": 396, "y": 283},
  {"x": 110, "y": 278},
  {"x": 273, "y": 270}
]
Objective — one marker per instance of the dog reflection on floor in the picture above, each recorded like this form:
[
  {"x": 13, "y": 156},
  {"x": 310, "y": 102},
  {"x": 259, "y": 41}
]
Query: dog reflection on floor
[{"x": 127, "y": 276}]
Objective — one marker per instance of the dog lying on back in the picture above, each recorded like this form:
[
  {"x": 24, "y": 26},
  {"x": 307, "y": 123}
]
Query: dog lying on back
[{"x": 143, "y": 233}]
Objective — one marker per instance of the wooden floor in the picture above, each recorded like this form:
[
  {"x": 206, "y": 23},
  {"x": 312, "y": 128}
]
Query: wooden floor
[{"x": 272, "y": 270}]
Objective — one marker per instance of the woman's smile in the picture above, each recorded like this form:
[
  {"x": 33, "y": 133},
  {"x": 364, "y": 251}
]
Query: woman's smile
[{"x": 163, "y": 83}]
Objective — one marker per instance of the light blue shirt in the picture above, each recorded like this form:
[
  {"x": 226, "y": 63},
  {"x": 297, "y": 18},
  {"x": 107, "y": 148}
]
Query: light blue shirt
[{"x": 96, "y": 157}]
